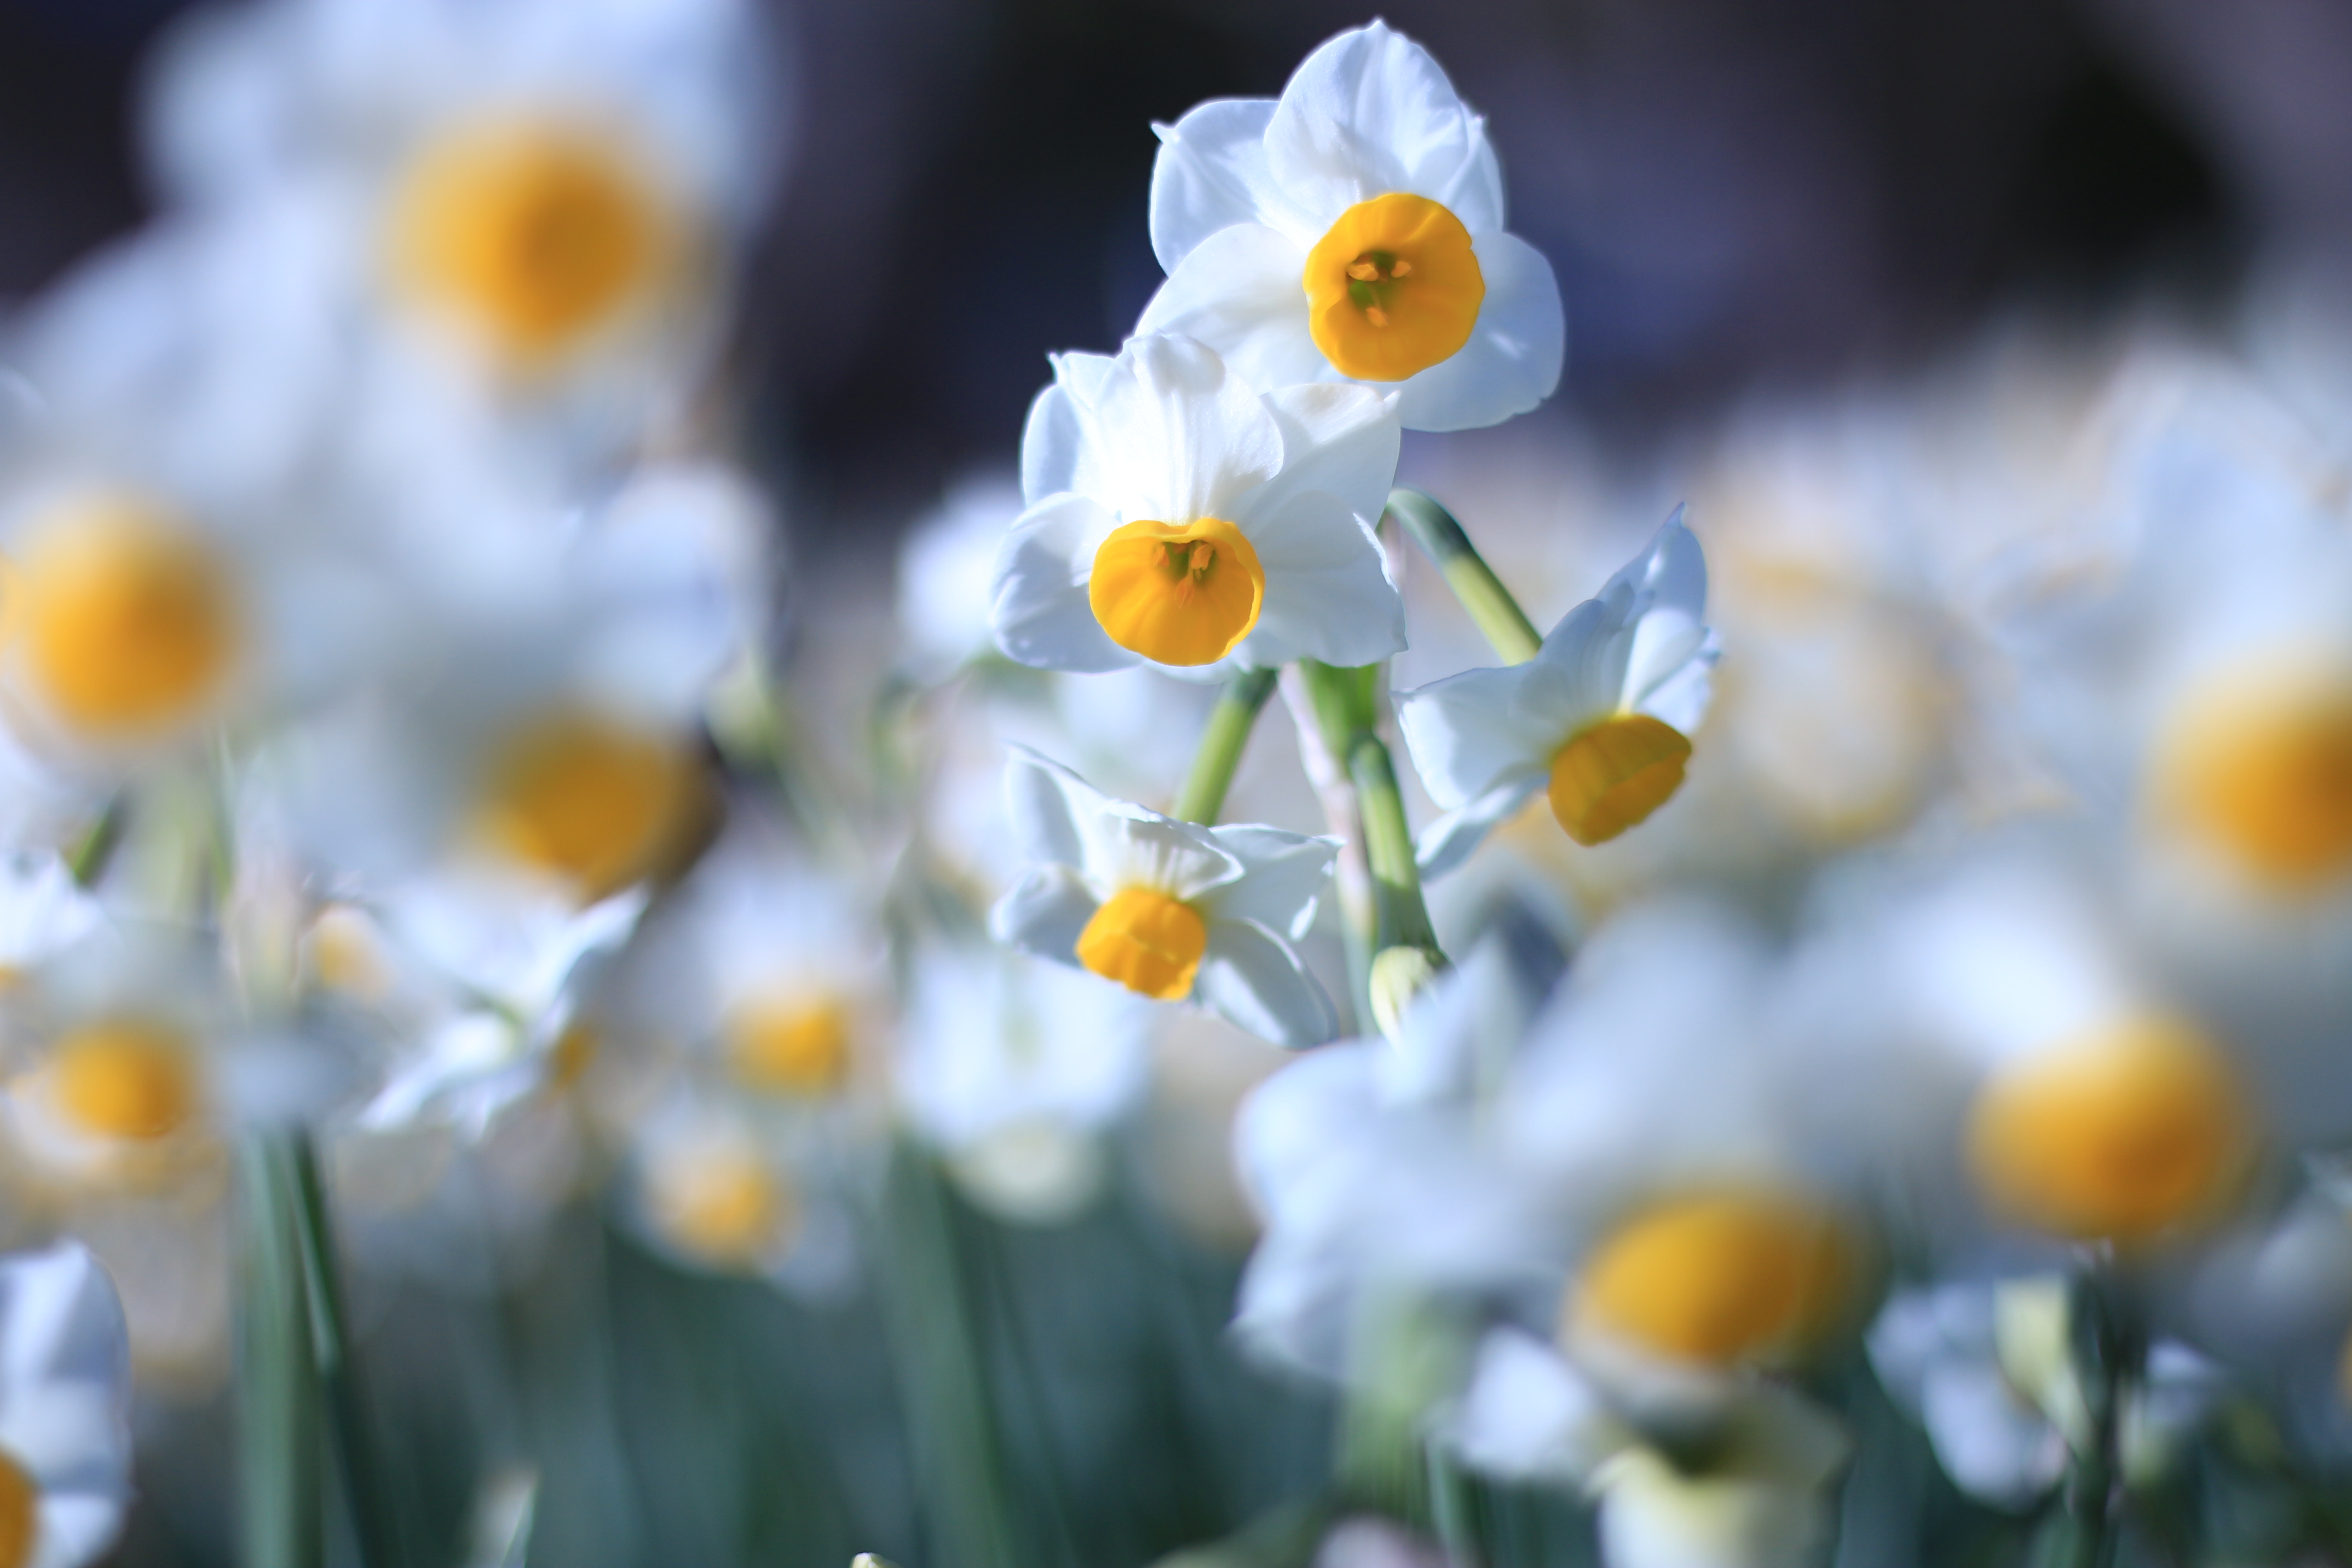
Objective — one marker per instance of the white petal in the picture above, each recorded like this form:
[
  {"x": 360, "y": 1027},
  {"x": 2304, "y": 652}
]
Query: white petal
[
  {"x": 1992, "y": 1444},
  {"x": 1327, "y": 592},
  {"x": 68, "y": 1434},
  {"x": 1045, "y": 801},
  {"x": 1469, "y": 732},
  {"x": 1045, "y": 913},
  {"x": 1118, "y": 842},
  {"x": 1175, "y": 435},
  {"x": 1053, "y": 438},
  {"x": 1337, "y": 437},
  {"x": 1282, "y": 876},
  {"x": 1211, "y": 173},
  {"x": 1527, "y": 1416},
  {"x": 62, "y": 1317},
  {"x": 75, "y": 1527},
  {"x": 1447, "y": 842},
  {"x": 1513, "y": 359},
  {"x": 1040, "y": 611},
  {"x": 1254, "y": 979},
  {"x": 1665, "y": 586},
  {"x": 1371, "y": 112},
  {"x": 1240, "y": 293}
]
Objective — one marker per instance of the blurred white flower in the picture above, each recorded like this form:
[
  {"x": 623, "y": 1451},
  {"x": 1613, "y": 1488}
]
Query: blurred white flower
[
  {"x": 1601, "y": 716},
  {"x": 1169, "y": 910},
  {"x": 1353, "y": 229},
  {"x": 1180, "y": 517},
  {"x": 1013, "y": 1069},
  {"x": 65, "y": 1408},
  {"x": 1986, "y": 1368},
  {"x": 947, "y": 565}
]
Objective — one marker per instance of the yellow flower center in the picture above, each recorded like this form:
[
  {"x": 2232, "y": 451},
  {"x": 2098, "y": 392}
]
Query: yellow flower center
[
  {"x": 721, "y": 1202},
  {"x": 2122, "y": 1136},
  {"x": 127, "y": 620},
  {"x": 1614, "y": 775},
  {"x": 1147, "y": 942},
  {"x": 125, "y": 1079},
  {"x": 1392, "y": 288},
  {"x": 790, "y": 1046},
  {"x": 20, "y": 1514},
  {"x": 536, "y": 237},
  {"x": 2268, "y": 779},
  {"x": 346, "y": 954},
  {"x": 1177, "y": 596},
  {"x": 595, "y": 801},
  {"x": 1718, "y": 1278}
]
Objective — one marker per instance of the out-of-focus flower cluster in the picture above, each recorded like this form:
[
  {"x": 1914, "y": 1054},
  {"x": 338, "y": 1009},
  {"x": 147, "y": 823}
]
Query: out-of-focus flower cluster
[{"x": 1860, "y": 972}]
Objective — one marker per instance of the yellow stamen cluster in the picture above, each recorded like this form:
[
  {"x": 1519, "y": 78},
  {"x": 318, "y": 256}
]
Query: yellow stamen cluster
[
  {"x": 1146, "y": 941},
  {"x": 721, "y": 1202},
  {"x": 2265, "y": 775},
  {"x": 1717, "y": 1279},
  {"x": 795, "y": 1046},
  {"x": 1181, "y": 595},
  {"x": 536, "y": 237},
  {"x": 595, "y": 801},
  {"x": 126, "y": 619},
  {"x": 1612, "y": 776},
  {"x": 2121, "y": 1137},
  {"x": 125, "y": 1079},
  {"x": 1392, "y": 288}
]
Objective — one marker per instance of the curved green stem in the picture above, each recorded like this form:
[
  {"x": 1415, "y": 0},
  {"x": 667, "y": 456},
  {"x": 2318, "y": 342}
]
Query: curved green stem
[
  {"x": 1388, "y": 846},
  {"x": 1221, "y": 744},
  {"x": 1505, "y": 626}
]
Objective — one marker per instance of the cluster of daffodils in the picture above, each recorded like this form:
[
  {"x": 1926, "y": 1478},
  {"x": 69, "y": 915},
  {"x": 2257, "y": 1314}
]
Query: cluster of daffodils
[{"x": 1942, "y": 1028}]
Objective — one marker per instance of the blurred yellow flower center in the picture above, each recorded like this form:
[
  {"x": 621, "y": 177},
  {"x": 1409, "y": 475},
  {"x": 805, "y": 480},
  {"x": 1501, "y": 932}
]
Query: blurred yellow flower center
[
  {"x": 1392, "y": 288},
  {"x": 790, "y": 1046},
  {"x": 127, "y": 620},
  {"x": 2269, "y": 780},
  {"x": 126, "y": 1079},
  {"x": 1614, "y": 775},
  {"x": 721, "y": 1202},
  {"x": 1147, "y": 942},
  {"x": 2118, "y": 1137},
  {"x": 595, "y": 801},
  {"x": 1177, "y": 596},
  {"x": 535, "y": 236},
  {"x": 574, "y": 1053},
  {"x": 347, "y": 955},
  {"x": 20, "y": 1512},
  {"x": 1717, "y": 1279}
]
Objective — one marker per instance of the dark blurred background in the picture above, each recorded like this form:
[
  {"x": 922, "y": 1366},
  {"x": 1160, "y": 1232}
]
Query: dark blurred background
[{"x": 1737, "y": 193}]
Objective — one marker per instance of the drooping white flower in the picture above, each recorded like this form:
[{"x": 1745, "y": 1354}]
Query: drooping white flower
[
  {"x": 1170, "y": 910},
  {"x": 1601, "y": 716},
  {"x": 1179, "y": 517},
  {"x": 1353, "y": 230},
  {"x": 65, "y": 1397}
]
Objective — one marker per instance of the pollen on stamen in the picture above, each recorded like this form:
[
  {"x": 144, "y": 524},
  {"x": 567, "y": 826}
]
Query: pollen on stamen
[
  {"x": 1375, "y": 315},
  {"x": 1402, "y": 269},
  {"x": 1363, "y": 272}
]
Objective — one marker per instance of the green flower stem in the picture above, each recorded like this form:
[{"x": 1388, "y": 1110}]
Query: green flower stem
[
  {"x": 375, "y": 1522},
  {"x": 1388, "y": 845},
  {"x": 1452, "y": 1509},
  {"x": 278, "y": 1427},
  {"x": 1358, "y": 780},
  {"x": 1221, "y": 744},
  {"x": 2108, "y": 1351},
  {"x": 96, "y": 851},
  {"x": 1473, "y": 583},
  {"x": 940, "y": 1374}
]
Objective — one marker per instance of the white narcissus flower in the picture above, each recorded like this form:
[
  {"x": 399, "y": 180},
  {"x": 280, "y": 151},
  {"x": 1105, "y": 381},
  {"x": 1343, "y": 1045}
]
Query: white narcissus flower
[
  {"x": 1601, "y": 716},
  {"x": 1170, "y": 910},
  {"x": 65, "y": 1397},
  {"x": 1353, "y": 230},
  {"x": 1178, "y": 517}
]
